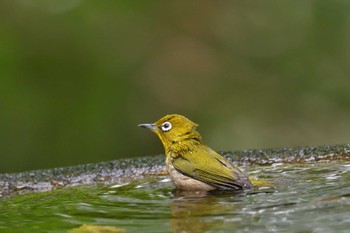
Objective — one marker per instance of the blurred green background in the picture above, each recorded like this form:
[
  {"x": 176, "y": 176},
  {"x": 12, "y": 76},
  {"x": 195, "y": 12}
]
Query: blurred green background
[{"x": 76, "y": 77}]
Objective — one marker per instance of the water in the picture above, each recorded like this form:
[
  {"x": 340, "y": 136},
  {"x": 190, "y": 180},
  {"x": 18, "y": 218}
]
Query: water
[{"x": 306, "y": 198}]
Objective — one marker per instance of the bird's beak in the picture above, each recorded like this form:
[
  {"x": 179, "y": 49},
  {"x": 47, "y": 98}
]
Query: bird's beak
[{"x": 152, "y": 127}]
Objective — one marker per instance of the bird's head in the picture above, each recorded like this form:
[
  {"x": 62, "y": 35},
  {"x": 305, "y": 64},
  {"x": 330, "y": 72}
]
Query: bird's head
[{"x": 173, "y": 128}]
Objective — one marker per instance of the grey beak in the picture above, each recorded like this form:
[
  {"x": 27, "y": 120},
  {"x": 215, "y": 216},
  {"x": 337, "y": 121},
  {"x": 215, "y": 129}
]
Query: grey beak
[{"x": 152, "y": 127}]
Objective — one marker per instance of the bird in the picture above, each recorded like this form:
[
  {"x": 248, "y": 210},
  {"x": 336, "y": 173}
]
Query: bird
[{"x": 191, "y": 165}]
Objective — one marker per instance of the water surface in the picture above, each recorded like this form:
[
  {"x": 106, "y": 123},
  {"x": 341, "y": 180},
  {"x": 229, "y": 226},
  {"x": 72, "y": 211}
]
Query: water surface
[{"x": 306, "y": 198}]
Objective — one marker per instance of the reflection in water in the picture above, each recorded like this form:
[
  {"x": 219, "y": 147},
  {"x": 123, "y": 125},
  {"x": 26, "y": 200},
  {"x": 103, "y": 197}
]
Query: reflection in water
[
  {"x": 200, "y": 212},
  {"x": 88, "y": 228}
]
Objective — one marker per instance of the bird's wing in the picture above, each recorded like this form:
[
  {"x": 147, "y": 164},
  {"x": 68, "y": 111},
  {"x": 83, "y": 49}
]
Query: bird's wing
[{"x": 211, "y": 168}]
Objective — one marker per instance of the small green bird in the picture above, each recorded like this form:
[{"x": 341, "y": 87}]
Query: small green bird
[{"x": 191, "y": 164}]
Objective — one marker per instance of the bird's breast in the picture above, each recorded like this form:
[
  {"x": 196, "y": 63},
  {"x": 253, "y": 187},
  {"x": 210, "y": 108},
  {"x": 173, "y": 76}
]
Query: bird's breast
[{"x": 184, "y": 182}]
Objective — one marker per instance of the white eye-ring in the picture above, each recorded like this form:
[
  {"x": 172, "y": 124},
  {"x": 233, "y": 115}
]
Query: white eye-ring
[{"x": 166, "y": 126}]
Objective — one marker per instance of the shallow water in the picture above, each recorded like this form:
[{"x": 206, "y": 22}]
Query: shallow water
[{"x": 306, "y": 198}]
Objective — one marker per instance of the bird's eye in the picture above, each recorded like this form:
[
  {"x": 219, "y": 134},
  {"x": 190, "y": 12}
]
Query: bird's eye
[{"x": 166, "y": 126}]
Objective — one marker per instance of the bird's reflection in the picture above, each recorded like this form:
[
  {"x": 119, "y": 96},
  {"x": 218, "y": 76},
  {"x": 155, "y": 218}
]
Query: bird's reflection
[{"x": 201, "y": 211}]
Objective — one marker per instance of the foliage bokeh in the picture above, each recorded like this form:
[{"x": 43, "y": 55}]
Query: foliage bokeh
[{"x": 78, "y": 76}]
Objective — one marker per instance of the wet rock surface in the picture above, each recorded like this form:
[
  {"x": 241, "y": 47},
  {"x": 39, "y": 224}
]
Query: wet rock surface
[{"x": 128, "y": 169}]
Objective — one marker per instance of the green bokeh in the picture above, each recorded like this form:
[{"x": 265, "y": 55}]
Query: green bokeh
[{"x": 76, "y": 77}]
